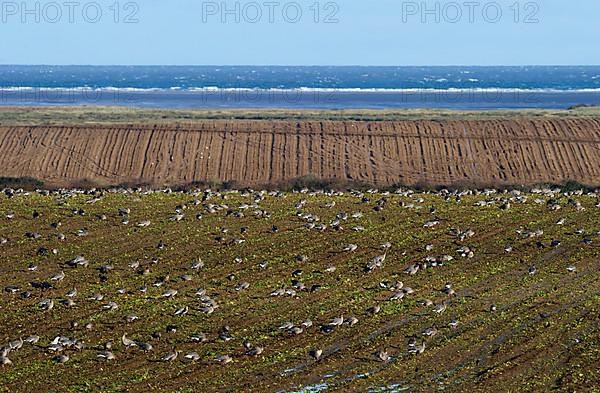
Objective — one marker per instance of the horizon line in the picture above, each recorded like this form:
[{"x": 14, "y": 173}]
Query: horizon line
[{"x": 292, "y": 65}]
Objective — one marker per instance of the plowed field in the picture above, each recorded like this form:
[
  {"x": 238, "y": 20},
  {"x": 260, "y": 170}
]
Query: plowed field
[{"x": 256, "y": 152}]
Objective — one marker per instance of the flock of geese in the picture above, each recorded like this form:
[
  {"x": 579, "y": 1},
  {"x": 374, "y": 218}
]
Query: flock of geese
[{"x": 62, "y": 348}]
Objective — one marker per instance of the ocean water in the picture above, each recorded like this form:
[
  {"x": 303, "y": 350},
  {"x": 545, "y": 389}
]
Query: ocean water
[{"x": 301, "y": 87}]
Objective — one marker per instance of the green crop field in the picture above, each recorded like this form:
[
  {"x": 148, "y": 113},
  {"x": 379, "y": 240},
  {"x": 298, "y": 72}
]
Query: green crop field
[{"x": 481, "y": 291}]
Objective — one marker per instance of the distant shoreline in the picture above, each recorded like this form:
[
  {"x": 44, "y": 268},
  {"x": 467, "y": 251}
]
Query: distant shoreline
[{"x": 76, "y": 115}]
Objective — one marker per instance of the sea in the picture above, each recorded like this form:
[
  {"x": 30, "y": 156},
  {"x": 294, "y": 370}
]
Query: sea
[{"x": 301, "y": 87}]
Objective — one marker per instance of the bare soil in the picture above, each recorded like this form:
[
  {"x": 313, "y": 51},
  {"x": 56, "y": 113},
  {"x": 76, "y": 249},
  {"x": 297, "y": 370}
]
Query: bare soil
[{"x": 511, "y": 150}]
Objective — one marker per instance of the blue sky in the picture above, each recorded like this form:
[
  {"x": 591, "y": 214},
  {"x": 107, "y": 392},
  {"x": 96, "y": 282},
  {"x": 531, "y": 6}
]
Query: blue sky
[{"x": 381, "y": 32}]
